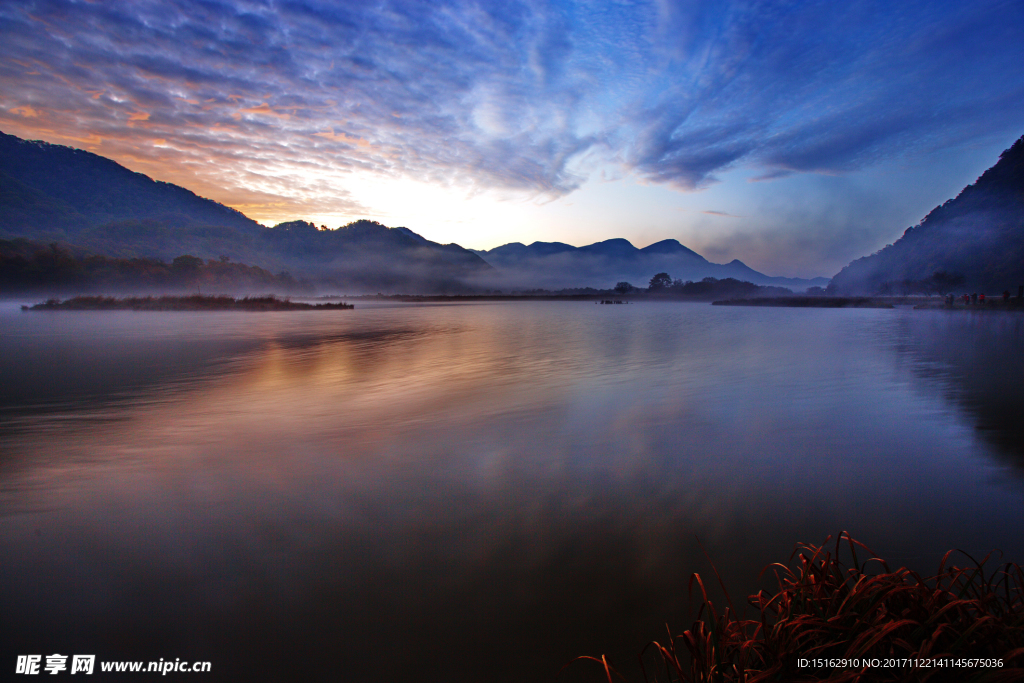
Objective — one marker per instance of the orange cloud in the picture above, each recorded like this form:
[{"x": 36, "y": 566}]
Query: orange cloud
[
  {"x": 261, "y": 109},
  {"x": 341, "y": 137},
  {"x": 139, "y": 116},
  {"x": 92, "y": 141},
  {"x": 26, "y": 111}
]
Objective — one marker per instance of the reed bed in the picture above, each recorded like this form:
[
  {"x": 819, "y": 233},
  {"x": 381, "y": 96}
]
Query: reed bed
[{"x": 888, "y": 625}]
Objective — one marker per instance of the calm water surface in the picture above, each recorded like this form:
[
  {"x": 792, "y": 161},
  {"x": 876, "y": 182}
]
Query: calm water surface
[{"x": 473, "y": 492}]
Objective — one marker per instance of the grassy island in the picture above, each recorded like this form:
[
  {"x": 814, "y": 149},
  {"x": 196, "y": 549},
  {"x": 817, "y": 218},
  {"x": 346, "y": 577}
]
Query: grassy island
[{"x": 196, "y": 302}]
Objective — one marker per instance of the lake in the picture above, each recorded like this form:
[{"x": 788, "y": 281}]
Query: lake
[{"x": 477, "y": 491}]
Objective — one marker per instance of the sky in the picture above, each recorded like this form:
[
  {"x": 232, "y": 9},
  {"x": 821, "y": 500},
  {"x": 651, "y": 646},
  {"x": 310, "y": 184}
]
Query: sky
[{"x": 794, "y": 136}]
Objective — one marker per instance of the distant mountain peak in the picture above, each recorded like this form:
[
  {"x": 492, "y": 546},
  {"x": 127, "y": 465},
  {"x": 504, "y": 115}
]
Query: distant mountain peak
[
  {"x": 415, "y": 235},
  {"x": 672, "y": 247},
  {"x": 555, "y": 265},
  {"x": 616, "y": 242},
  {"x": 296, "y": 226},
  {"x": 616, "y": 246},
  {"x": 364, "y": 224}
]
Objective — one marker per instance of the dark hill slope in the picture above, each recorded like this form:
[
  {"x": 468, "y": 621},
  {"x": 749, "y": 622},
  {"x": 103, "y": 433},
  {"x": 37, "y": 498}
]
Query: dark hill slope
[
  {"x": 979, "y": 235},
  {"x": 46, "y": 187}
]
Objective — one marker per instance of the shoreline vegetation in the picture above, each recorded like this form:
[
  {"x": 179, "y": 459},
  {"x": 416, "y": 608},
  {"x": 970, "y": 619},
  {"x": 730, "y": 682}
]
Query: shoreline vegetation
[
  {"x": 918, "y": 303},
  {"x": 810, "y": 302},
  {"x": 196, "y": 302},
  {"x": 861, "y": 613},
  {"x": 32, "y": 268}
]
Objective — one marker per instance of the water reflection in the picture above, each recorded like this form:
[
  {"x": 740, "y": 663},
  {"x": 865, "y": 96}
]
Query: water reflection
[
  {"x": 474, "y": 493},
  {"x": 978, "y": 362}
]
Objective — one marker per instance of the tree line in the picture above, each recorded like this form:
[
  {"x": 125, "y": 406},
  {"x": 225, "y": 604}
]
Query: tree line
[
  {"x": 27, "y": 266},
  {"x": 662, "y": 284}
]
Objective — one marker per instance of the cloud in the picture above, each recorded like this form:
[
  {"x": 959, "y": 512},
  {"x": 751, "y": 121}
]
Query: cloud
[
  {"x": 262, "y": 109},
  {"x": 286, "y": 98},
  {"x": 465, "y": 94},
  {"x": 825, "y": 88}
]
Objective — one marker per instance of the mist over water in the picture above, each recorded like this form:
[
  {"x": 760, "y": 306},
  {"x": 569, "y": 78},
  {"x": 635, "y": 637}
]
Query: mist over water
[{"x": 474, "y": 492}]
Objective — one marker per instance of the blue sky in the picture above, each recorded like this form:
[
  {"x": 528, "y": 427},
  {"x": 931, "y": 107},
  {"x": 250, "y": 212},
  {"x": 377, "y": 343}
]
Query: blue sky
[{"x": 795, "y": 138}]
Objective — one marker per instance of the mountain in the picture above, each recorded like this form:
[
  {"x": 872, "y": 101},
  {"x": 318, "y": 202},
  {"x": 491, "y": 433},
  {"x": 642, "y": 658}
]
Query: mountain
[
  {"x": 51, "y": 193},
  {"x": 64, "y": 190},
  {"x": 554, "y": 265},
  {"x": 671, "y": 247},
  {"x": 368, "y": 256},
  {"x": 976, "y": 238}
]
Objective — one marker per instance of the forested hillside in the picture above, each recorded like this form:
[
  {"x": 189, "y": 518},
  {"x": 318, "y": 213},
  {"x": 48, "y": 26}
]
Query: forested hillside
[
  {"x": 973, "y": 242},
  {"x": 64, "y": 191}
]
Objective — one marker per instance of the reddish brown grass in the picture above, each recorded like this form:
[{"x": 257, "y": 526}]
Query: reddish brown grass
[{"x": 824, "y": 609}]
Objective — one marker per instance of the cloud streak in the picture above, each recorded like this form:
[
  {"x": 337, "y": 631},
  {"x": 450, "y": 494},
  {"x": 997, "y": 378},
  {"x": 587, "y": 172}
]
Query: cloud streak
[{"x": 825, "y": 88}]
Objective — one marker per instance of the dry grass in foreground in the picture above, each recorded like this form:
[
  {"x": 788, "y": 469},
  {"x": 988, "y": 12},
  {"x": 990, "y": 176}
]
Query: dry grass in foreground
[{"x": 868, "y": 613}]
